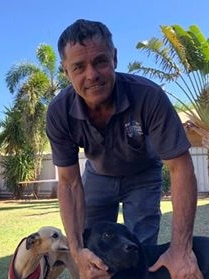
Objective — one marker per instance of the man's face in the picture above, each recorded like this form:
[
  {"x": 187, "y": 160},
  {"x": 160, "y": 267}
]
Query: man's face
[{"x": 91, "y": 69}]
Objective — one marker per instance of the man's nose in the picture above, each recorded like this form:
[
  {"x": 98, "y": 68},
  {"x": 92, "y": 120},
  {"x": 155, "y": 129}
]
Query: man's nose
[{"x": 91, "y": 73}]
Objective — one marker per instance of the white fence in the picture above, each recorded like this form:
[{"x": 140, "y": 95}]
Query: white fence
[
  {"x": 47, "y": 182},
  {"x": 201, "y": 166}
]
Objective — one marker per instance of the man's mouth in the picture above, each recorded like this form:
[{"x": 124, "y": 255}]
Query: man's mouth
[{"x": 95, "y": 86}]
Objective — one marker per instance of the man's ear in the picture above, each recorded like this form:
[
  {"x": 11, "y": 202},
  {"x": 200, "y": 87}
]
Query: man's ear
[{"x": 64, "y": 69}]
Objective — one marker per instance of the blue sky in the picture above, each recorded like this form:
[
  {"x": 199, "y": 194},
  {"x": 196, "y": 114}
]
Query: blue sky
[{"x": 25, "y": 24}]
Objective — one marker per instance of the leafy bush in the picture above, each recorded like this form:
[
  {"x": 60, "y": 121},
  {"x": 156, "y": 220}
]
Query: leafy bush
[
  {"x": 166, "y": 184},
  {"x": 16, "y": 168}
]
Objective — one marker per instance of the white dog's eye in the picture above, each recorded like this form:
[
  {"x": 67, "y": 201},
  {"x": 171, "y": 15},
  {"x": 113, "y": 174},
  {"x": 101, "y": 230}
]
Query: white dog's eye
[
  {"x": 107, "y": 235},
  {"x": 55, "y": 235}
]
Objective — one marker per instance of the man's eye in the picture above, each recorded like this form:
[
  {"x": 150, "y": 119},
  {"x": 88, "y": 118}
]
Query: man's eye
[
  {"x": 101, "y": 62},
  {"x": 77, "y": 68}
]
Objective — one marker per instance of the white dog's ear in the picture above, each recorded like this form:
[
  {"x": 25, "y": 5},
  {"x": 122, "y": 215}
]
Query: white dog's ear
[{"x": 32, "y": 239}]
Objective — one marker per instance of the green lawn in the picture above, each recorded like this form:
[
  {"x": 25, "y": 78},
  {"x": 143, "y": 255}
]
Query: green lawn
[{"x": 19, "y": 219}]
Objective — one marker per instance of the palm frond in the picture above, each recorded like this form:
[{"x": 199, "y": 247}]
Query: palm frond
[
  {"x": 12, "y": 133},
  {"x": 193, "y": 54},
  {"x": 202, "y": 44},
  {"x": 47, "y": 58},
  {"x": 152, "y": 73},
  {"x": 19, "y": 72},
  {"x": 161, "y": 55},
  {"x": 182, "y": 57},
  {"x": 175, "y": 46}
]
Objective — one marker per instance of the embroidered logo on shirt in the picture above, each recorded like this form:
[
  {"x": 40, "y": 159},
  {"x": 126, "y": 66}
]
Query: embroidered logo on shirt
[{"x": 133, "y": 128}]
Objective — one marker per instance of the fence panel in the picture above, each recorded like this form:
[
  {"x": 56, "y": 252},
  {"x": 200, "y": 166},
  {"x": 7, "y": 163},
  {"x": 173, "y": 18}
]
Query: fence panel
[
  {"x": 48, "y": 177},
  {"x": 200, "y": 161}
]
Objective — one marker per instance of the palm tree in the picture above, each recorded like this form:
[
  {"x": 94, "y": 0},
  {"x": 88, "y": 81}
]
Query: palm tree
[
  {"x": 181, "y": 56},
  {"x": 22, "y": 136}
]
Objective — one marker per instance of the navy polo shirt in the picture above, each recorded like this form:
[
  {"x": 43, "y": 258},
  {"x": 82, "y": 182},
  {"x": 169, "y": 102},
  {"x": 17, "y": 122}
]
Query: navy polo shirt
[{"x": 144, "y": 129}]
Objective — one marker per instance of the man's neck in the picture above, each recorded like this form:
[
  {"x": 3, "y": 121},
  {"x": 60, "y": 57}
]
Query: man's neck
[{"x": 100, "y": 115}]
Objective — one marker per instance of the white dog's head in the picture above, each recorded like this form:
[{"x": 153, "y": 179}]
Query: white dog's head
[{"x": 47, "y": 239}]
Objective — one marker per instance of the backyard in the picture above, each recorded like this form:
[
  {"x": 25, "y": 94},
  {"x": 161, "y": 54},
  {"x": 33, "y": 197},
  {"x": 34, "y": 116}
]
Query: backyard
[{"x": 21, "y": 218}]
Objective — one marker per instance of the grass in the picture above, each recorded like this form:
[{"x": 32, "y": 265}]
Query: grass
[{"x": 21, "y": 218}]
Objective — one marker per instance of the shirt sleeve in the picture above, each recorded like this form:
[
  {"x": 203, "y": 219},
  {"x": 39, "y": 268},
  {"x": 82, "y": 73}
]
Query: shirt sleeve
[
  {"x": 164, "y": 127},
  {"x": 64, "y": 149}
]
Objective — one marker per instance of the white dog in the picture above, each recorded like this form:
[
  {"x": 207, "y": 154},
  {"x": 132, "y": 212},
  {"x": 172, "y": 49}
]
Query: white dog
[{"x": 42, "y": 255}]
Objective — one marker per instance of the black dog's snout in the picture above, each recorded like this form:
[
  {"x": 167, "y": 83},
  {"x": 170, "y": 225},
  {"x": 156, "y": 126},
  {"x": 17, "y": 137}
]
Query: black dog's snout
[{"x": 130, "y": 247}]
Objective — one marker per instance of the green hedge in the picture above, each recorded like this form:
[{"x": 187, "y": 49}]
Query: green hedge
[{"x": 166, "y": 185}]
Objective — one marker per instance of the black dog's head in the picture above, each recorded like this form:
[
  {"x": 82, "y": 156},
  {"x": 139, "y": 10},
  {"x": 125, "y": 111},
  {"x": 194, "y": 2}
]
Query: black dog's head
[{"x": 117, "y": 247}]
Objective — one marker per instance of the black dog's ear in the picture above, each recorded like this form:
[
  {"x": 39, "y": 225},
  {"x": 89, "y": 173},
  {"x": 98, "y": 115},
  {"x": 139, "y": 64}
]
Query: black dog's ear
[
  {"x": 136, "y": 240},
  {"x": 32, "y": 239},
  {"x": 86, "y": 235},
  {"x": 143, "y": 266}
]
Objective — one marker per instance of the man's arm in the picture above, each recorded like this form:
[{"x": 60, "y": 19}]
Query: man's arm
[
  {"x": 184, "y": 200},
  {"x": 71, "y": 202},
  {"x": 72, "y": 211},
  {"x": 180, "y": 259}
]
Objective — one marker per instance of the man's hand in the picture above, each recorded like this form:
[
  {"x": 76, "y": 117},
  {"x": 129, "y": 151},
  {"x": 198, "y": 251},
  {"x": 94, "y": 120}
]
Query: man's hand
[
  {"x": 181, "y": 265},
  {"x": 90, "y": 266}
]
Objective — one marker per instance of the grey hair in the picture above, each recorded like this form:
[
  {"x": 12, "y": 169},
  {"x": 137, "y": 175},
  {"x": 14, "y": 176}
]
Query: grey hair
[{"x": 81, "y": 30}]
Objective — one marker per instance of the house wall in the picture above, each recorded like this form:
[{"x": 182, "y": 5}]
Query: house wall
[{"x": 194, "y": 138}]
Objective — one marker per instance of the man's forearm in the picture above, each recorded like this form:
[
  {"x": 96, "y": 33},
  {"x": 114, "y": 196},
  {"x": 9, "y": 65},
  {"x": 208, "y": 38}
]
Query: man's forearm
[
  {"x": 184, "y": 201},
  {"x": 179, "y": 259},
  {"x": 71, "y": 201}
]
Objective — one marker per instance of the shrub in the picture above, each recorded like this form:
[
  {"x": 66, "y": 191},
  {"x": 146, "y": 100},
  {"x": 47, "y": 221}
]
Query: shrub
[{"x": 166, "y": 184}]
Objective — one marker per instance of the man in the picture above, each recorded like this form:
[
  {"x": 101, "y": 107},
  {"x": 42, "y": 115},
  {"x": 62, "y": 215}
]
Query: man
[{"x": 126, "y": 125}]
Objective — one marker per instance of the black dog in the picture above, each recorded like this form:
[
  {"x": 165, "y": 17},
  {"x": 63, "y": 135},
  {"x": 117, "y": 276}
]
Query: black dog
[{"x": 128, "y": 259}]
